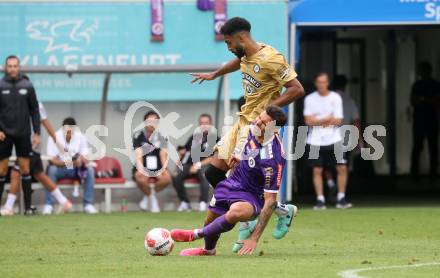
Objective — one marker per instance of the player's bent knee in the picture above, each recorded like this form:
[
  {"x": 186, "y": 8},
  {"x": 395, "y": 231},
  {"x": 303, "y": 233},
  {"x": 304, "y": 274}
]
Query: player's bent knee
[{"x": 240, "y": 213}]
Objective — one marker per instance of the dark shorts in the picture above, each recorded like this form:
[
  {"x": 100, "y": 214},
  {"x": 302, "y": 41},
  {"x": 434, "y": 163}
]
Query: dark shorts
[
  {"x": 152, "y": 179},
  {"x": 23, "y": 146},
  {"x": 224, "y": 197},
  {"x": 35, "y": 164},
  {"x": 326, "y": 157}
]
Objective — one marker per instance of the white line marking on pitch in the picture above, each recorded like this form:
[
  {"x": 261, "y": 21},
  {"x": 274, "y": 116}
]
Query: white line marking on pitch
[{"x": 353, "y": 273}]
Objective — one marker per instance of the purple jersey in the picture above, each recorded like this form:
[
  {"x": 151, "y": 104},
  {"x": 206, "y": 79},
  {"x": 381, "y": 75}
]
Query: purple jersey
[{"x": 260, "y": 168}]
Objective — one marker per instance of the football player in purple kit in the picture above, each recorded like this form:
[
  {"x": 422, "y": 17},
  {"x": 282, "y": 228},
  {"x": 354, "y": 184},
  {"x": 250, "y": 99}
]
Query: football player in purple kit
[{"x": 249, "y": 192}]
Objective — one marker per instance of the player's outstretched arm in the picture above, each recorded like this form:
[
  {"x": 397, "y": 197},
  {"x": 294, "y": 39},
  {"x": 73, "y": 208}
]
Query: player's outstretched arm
[
  {"x": 230, "y": 66},
  {"x": 294, "y": 91},
  {"x": 249, "y": 245}
]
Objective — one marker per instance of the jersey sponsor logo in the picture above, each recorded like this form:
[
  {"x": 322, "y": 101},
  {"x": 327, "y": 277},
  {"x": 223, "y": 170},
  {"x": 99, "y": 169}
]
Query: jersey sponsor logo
[
  {"x": 251, "y": 80},
  {"x": 256, "y": 68},
  {"x": 23, "y": 91},
  {"x": 5, "y": 92}
]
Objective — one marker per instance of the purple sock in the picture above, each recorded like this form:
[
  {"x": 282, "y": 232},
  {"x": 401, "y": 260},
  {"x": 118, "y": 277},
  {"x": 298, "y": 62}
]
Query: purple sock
[
  {"x": 211, "y": 241},
  {"x": 216, "y": 227}
]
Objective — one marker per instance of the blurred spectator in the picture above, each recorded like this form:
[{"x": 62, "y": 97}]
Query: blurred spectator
[
  {"x": 351, "y": 117},
  {"x": 425, "y": 98},
  {"x": 151, "y": 157},
  {"x": 202, "y": 141},
  {"x": 75, "y": 146},
  {"x": 323, "y": 114}
]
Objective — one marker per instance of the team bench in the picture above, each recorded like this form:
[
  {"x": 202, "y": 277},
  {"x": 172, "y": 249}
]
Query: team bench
[{"x": 109, "y": 183}]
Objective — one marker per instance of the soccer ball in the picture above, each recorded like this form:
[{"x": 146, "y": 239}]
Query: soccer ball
[{"x": 158, "y": 242}]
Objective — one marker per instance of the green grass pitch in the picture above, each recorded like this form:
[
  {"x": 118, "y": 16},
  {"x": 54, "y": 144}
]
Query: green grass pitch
[{"x": 321, "y": 244}]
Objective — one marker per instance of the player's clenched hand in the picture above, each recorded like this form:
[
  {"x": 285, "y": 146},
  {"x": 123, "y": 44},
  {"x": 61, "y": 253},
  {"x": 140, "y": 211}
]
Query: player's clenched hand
[
  {"x": 249, "y": 245},
  {"x": 2, "y": 136},
  {"x": 35, "y": 140},
  {"x": 200, "y": 77}
]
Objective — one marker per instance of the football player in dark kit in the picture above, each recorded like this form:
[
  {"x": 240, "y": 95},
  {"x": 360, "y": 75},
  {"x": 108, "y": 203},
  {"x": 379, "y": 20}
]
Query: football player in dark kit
[{"x": 18, "y": 105}]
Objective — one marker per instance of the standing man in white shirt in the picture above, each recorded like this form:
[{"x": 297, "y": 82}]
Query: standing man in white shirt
[
  {"x": 323, "y": 113},
  {"x": 75, "y": 145}
]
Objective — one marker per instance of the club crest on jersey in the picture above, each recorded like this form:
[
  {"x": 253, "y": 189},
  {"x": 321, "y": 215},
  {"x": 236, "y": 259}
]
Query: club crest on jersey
[
  {"x": 256, "y": 68},
  {"x": 251, "y": 162},
  {"x": 23, "y": 91}
]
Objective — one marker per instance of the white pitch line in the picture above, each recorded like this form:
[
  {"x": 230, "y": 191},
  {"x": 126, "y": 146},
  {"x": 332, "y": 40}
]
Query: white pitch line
[{"x": 353, "y": 273}]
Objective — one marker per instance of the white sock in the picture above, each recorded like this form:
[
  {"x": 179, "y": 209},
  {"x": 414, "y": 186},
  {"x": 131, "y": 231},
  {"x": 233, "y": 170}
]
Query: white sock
[
  {"x": 281, "y": 209},
  {"x": 341, "y": 195},
  {"x": 10, "y": 201},
  {"x": 321, "y": 198},
  {"x": 152, "y": 190},
  {"x": 331, "y": 183},
  {"x": 210, "y": 252},
  {"x": 59, "y": 196}
]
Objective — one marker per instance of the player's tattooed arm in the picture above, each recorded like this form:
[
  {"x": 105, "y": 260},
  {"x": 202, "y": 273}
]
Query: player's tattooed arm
[
  {"x": 229, "y": 67},
  {"x": 249, "y": 245},
  {"x": 294, "y": 91}
]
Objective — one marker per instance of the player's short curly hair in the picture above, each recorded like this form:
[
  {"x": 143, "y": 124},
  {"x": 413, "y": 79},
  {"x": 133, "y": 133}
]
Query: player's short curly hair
[
  {"x": 235, "y": 25},
  {"x": 277, "y": 114}
]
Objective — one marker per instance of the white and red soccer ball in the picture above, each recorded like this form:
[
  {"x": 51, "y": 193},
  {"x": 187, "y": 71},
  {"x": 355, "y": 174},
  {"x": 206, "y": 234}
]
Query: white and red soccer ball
[{"x": 158, "y": 242}]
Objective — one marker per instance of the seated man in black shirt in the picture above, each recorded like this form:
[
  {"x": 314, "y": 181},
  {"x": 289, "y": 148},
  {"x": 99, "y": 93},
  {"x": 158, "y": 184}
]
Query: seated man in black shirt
[
  {"x": 196, "y": 157},
  {"x": 150, "y": 174}
]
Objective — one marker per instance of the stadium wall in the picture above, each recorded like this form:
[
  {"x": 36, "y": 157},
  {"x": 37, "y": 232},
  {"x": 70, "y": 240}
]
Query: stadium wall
[{"x": 118, "y": 33}]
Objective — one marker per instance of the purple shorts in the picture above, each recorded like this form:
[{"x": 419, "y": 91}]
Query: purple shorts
[{"x": 224, "y": 197}]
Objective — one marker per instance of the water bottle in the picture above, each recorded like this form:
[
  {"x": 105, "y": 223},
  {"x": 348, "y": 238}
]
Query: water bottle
[
  {"x": 75, "y": 192},
  {"x": 124, "y": 205}
]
